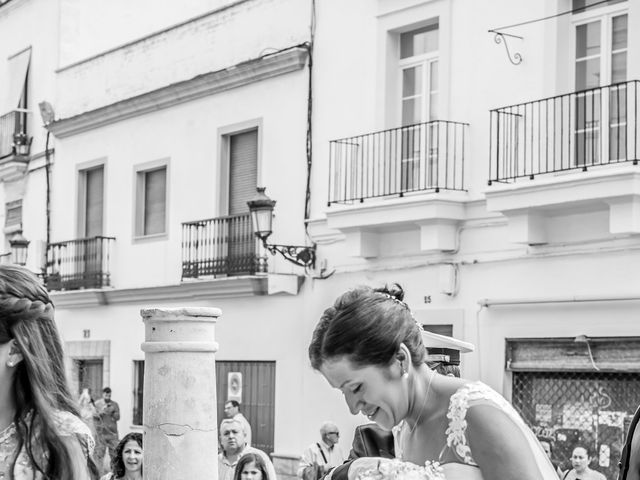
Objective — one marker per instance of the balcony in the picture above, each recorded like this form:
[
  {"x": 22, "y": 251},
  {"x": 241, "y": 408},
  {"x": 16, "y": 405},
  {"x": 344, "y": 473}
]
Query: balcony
[
  {"x": 14, "y": 144},
  {"x": 402, "y": 179},
  {"x": 222, "y": 246},
  {"x": 426, "y": 157},
  {"x": 80, "y": 263},
  {"x": 575, "y": 152}
]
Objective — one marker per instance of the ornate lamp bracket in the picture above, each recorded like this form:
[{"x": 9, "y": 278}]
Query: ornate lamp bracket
[
  {"x": 516, "y": 58},
  {"x": 301, "y": 256}
]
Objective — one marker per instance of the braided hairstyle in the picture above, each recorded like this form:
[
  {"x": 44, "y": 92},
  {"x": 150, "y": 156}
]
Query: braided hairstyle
[
  {"x": 39, "y": 384},
  {"x": 367, "y": 325}
]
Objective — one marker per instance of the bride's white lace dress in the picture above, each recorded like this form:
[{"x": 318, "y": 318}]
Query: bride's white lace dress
[{"x": 464, "y": 467}]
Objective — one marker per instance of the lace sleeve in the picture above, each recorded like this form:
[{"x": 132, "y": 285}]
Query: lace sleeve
[
  {"x": 475, "y": 393},
  {"x": 68, "y": 424}
]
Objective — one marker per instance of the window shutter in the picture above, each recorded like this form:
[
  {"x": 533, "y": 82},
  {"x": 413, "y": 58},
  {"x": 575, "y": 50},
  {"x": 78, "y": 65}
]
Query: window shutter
[
  {"x": 243, "y": 171},
  {"x": 18, "y": 67},
  {"x": 94, "y": 206},
  {"x": 155, "y": 188},
  {"x": 13, "y": 215}
]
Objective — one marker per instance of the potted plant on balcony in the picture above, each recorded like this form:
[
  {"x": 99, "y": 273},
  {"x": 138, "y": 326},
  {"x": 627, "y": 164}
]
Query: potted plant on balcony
[{"x": 21, "y": 143}]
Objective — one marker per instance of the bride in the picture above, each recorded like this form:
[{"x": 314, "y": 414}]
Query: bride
[{"x": 368, "y": 346}]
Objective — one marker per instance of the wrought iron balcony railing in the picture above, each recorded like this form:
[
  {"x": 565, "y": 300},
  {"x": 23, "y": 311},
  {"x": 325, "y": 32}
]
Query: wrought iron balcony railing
[
  {"x": 578, "y": 130},
  {"x": 80, "y": 263},
  {"x": 220, "y": 246},
  {"x": 13, "y": 126},
  {"x": 422, "y": 157}
]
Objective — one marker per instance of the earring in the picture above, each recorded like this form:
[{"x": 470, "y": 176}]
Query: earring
[
  {"x": 405, "y": 374},
  {"x": 10, "y": 363}
]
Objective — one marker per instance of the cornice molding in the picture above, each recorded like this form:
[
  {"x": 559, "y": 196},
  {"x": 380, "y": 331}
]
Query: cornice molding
[
  {"x": 203, "y": 85},
  {"x": 230, "y": 287},
  {"x": 13, "y": 168}
]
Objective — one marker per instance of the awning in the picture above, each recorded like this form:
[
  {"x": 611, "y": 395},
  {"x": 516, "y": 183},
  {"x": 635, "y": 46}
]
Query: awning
[{"x": 18, "y": 67}]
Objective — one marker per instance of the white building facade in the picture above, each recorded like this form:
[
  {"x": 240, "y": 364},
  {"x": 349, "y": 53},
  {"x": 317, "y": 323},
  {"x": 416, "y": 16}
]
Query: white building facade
[{"x": 496, "y": 182}]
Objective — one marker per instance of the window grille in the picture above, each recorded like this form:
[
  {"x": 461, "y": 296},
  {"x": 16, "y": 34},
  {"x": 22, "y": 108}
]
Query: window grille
[{"x": 590, "y": 409}]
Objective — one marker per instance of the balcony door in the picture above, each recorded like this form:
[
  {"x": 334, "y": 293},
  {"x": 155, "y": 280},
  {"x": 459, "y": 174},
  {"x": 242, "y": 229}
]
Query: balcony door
[
  {"x": 600, "y": 114},
  {"x": 418, "y": 105},
  {"x": 87, "y": 257},
  {"x": 243, "y": 180},
  {"x": 89, "y": 373}
]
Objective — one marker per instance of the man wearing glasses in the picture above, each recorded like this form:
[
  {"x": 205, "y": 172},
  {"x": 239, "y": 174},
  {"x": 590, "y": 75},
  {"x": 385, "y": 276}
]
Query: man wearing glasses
[{"x": 320, "y": 457}]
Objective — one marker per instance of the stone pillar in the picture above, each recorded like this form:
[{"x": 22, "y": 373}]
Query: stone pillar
[{"x": 180, "y": 409}]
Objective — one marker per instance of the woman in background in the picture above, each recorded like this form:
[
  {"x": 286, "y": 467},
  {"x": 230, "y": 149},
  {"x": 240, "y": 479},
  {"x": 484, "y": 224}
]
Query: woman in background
[
  {"x": 127, "y": 463},
  {"x": 251, "y": 467}
]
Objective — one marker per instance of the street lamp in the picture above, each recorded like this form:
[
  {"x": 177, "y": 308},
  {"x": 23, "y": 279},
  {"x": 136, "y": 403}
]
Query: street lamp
[
  {"x": 19, "y": 246},
  {"x": 261, "y": 209}
]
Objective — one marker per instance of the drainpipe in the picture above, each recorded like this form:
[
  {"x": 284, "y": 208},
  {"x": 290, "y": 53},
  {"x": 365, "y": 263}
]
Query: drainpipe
[{"x": 496, "y": 302}]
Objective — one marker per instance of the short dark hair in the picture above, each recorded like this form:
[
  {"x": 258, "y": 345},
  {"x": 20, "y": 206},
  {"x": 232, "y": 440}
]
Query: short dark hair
[
  {"x": 547, "y": 440},
  {"x": 106, "y": 390},
  {"x": 117, "y": 462},
  {"x": 235, "y": 403},
  {"x": 251, "y": 458},
  {"x": 367, "y": 326}
]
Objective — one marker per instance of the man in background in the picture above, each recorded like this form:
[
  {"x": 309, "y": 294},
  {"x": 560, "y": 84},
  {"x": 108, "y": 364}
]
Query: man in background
[
  {"x": 232, "y": 410},
  {"x": 107, "y": 416},
  {"x": 320, "y": 457},
  {"x": 233, "y": 446}
]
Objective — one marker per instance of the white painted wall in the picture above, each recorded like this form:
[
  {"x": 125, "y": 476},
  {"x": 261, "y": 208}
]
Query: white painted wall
[{"x": 351, "y": 96}]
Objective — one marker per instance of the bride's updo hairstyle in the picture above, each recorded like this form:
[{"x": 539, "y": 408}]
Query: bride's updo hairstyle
[{"x": 367, "y": 326}]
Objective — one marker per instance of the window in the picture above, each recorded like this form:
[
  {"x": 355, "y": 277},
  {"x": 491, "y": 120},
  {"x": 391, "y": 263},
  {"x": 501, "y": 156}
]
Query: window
[
  {"x": 419, "y": 70},
  {"x": 561, "y": 395},
  {"x": 13, "y": 215},
  {"x": 418, "y": 104},
  {"x": 243, "y": 170},
  {"x": 138, "y": 391},
  {"x": 14, "y": 101},
  {"x": 151, "y": 201},
  {"x": 91, "y": 200},
  {"x": 89, "y": 375},
  {"x": 601, "y": 60}
]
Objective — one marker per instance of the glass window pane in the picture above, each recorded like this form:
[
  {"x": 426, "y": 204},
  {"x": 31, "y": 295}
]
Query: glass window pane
[
  {"x": 410, "y": 111},
  {"x": 619, "y": 32},
  {"x": 588, "y": 40},
  {"x": 619, "y": 67},
  {"x": 412, "y": 81},
  {"x": 587, "y": 73},
  {"x": 433, "y": 106},
  {"x": 433, "y": 76},
  {"x": 417, "y": 42},
  {"x": 94, "y": 207},
  {"x": 155, "y": 201},
  {"x": 618, "y": 105},
  {"x": 617, "y": 143}
]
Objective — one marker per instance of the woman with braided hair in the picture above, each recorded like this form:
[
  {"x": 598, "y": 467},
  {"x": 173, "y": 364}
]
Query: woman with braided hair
[
  {"x": 368, "y": 346},
  {"x": 41, "y": 434}
]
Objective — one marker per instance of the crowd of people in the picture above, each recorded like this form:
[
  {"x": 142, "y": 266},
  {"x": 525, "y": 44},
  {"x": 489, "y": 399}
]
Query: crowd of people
[{"x": 367, "y": 345}]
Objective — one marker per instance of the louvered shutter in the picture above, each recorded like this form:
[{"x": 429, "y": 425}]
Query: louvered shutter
[
  {"x": 243, "y": 171},
  {"x": 94, "y": 197},
  {"x": 155, "y": 201}
]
